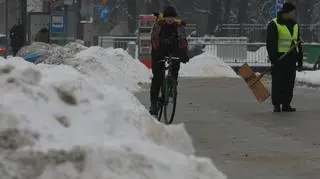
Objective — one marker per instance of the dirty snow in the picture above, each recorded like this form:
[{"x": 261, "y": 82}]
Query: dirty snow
[
  {"x": 206, "y": 65},
  {"x": 309, "y": 77},
  {"x": 58, "y": 123},
  {"x": 51, "y": 54},
  {"x": 111, "y": 66}
]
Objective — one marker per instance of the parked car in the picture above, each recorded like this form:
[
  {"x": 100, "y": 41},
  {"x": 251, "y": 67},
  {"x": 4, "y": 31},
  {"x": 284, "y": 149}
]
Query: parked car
[{"x": 3, "y": 42}]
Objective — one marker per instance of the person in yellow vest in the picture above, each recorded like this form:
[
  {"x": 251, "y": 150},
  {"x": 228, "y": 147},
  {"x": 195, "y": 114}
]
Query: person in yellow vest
[{"x": 282, "y": 33}]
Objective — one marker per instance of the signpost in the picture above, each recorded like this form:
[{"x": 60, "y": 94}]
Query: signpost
[
  {"x": 104, "y": 14},
  {"x": 274, "y": 10},
  {"x": 279, "y": 4},
  {"x": 102, "y": 10},
  {"x": 63, "y": 24},
  {"x": 57, "y": 23}
]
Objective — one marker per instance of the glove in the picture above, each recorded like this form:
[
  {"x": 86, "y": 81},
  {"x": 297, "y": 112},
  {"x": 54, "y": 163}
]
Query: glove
[{"x": 300, "y": 64}]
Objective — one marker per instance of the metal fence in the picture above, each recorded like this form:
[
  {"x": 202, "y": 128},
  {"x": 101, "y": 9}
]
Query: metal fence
[
  {"x": 115, "y": 42},
  {"x": 232, "y": 50},
  {"x": 257, "y": 32}
]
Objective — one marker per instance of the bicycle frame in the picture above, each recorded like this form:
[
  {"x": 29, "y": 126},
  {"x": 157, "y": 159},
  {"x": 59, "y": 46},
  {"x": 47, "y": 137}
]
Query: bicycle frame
[
  {"x": 169, "y": 83},
  {"x": 168, "y": 61}
]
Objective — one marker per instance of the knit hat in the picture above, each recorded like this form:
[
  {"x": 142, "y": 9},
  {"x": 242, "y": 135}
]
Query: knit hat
[
  {"x": 170, "y": 12},
  {"x": 288, "y": 7}
]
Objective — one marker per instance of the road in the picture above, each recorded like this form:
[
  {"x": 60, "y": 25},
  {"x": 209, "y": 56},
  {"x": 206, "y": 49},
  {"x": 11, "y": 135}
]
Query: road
[{"x": 245, "y": 139}]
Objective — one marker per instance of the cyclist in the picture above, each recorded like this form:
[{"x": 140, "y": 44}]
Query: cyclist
[{"x": 168, "y": 38}]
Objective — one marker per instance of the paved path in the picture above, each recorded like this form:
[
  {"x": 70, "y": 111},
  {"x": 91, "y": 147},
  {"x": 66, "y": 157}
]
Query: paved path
[{"x": 244, "y": 138}]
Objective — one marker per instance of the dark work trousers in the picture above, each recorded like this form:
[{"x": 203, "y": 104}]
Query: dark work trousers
[
  {"x": 158, "y": 72},
  {"x": 16, "y": 46},
  {"x": 283, "y": 80}
]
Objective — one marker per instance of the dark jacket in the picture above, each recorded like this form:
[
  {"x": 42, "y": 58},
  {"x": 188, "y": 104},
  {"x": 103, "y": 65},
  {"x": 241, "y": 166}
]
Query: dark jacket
[
  {"x": 272, "y": 44},
  {"x": 159, "y": 30},
  {"x": 17, "y": 35},
  {"x": 42, "y": 36}
]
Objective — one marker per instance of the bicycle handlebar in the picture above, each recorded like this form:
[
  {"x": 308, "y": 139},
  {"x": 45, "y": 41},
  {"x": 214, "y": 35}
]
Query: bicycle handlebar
[
  {"x": 166, "y": 58},
  {"x": 173, "y": 58}
]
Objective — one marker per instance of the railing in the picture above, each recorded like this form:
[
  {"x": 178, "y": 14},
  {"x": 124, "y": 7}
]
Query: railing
[
  {"x": 257, "y": 32},
  {"x": 115, "y": 42},
  {"x": 232, "y": 50},
  {"x": 235, "y": 54}
]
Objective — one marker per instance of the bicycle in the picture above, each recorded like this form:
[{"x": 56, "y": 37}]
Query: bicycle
[{"x": 168, "y": 91}]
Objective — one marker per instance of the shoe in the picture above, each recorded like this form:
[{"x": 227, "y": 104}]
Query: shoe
[
  {"x": 153, "y": 110},
  {"x": 289, "y": 109},
  {"x": 276, "y": 108}
]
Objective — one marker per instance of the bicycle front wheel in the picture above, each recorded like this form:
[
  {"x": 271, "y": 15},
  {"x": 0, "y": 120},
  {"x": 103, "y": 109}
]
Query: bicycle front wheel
[
  {"x": 170, "y": 98},
  {"x": 160, "y": 104}
]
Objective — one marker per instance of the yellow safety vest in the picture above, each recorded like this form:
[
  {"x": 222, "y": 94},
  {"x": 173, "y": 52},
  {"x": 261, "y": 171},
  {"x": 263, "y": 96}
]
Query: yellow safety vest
[{"x": 285, "y": 38}]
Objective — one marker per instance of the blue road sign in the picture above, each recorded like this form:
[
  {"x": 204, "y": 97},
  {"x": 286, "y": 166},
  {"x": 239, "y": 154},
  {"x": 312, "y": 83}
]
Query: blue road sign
[
  {"x": 104, "y": 14},
  {"x": 273, "y": 12},
  {"x": 57, "y": 23},
  {"x": 279, "y": 4}
]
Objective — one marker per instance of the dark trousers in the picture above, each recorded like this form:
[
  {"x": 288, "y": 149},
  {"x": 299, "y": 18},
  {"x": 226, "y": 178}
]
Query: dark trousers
[
  {"x": 283, "y": 80},
  {"x": 158, "y": 72},
  {"x": 16, "y": 46}
]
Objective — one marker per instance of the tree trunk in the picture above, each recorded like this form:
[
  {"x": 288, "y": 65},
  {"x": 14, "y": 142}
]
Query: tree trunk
[
  {"x": 304, "y": 17},
  {"x": 213, "y": 16},
  {"x": 243, "y": 15},
  {"x": 152, "y": 6},
  {"x": 243, "y": 9},
  {"x": 132, "y": 16},
  {"x": 227, "y": 10}
]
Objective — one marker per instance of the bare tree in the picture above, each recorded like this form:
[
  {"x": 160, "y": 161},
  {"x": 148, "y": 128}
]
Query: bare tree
[
  {"x": 152, "y": 6},
  {"x": 214, "y": 15}
]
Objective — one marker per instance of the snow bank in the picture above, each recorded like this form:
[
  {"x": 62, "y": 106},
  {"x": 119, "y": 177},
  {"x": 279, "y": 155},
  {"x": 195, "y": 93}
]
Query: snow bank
[
  {"x": 51, "y": 54},
  {"x": 58, "y": 123},
  {"x": 309, "y": 77},
  {"x": 206, "y": 65},
  {"x": 111, "y": 66}
]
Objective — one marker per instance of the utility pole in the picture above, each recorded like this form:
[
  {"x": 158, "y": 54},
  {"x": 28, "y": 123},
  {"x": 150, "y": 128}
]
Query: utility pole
[
  {"x": 161, "y": 5},
  {"x": 23, "y": 18},
  {"x": 7, "y": 30}
]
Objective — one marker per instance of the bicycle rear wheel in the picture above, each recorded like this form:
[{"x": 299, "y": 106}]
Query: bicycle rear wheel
[{"x": 170, "y": 100}]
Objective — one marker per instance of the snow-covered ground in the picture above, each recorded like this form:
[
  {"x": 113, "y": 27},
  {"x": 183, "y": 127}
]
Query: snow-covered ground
[
  {"x": 309, "y": 77},
  {"x": 74, "y": 123},
  {"x": 111, "y": 66},
  {"x": 207, "y": 65}
]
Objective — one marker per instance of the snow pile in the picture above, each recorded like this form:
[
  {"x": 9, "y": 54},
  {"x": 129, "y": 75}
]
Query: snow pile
[
  {"x": 309, "y": 77},
  {"x": 51, "y": 54},
  {"x": 196, "y": 47},
  {"x": 57, "y": 123},
  {"x": 206, "y": 65},
  {"x": 108, "y": 66},
  {"x": 259, "y": 56},
  {"x": 111, "y": 66}
]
